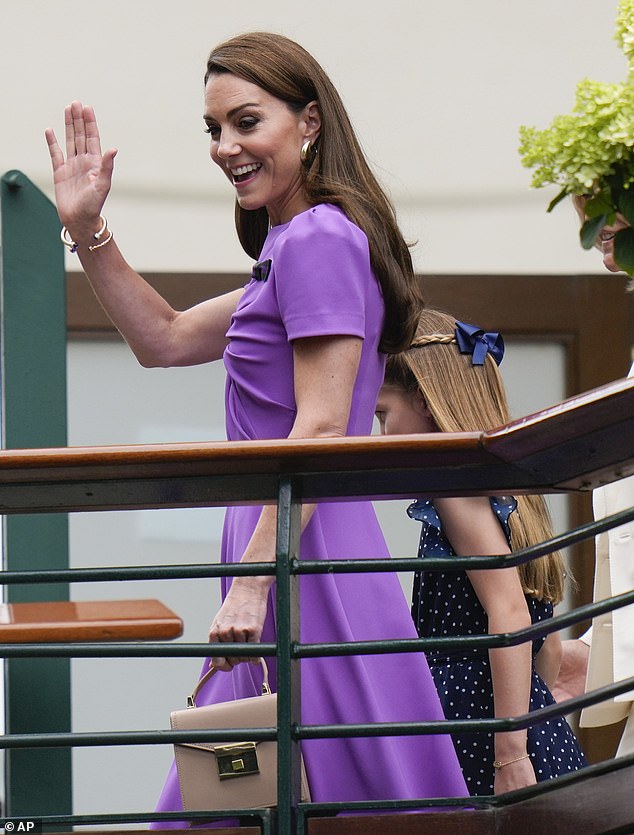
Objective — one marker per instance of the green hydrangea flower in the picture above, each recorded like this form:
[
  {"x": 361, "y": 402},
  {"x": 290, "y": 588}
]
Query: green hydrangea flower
[
  {"x": 625, "y": 29},
  {"x": 590, "y": 151}
]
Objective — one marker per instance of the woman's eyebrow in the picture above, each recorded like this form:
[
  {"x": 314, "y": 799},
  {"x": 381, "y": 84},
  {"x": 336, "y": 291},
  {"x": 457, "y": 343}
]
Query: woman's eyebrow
[{"x": 231, "y": 113}]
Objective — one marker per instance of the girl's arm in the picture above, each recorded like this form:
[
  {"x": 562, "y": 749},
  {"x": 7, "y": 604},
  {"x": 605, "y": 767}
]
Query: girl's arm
[
  {"x": 548, "y": 660},
  {"x": 472, "y": 529},
  {"x": 325, "y": 369},
  {"x": 158, "y": 334}
]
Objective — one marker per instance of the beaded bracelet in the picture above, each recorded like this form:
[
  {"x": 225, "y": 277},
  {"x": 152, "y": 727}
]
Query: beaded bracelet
[
  {"x": 498, "y": 764},
  {"x": 72, "y": 246}
]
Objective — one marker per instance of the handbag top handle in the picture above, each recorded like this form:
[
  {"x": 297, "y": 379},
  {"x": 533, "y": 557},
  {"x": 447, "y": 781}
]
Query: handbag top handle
[{"x": 266, "y": 688}]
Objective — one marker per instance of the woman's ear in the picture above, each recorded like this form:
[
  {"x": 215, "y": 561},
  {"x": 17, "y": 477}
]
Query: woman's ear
[{"x": 312, "y": 118}]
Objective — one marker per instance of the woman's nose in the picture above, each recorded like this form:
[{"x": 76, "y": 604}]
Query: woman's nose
[{"x": 227, "y": 146}]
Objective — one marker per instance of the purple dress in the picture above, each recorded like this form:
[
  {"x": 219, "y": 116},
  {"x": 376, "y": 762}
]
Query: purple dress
[{"x": 315, "y": 279}]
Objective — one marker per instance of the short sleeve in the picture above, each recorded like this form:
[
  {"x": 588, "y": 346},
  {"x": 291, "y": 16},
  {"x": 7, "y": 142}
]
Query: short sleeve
[{"x": 322, "y": 275}]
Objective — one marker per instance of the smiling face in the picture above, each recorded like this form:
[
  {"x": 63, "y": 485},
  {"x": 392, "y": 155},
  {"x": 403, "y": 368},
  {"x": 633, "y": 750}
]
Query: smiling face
[
  {"x": 402, "y": 413},
  {"x": 256, "y": 140}
]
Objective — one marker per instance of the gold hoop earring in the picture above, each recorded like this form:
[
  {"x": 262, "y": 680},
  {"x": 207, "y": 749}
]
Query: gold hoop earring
[{"x": 306, "y": 153}]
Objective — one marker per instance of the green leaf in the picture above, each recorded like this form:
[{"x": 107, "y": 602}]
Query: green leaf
[
  {"x": 626, "y": 205},
  {"x": 556, "y": 200},
  {"x": 589, "y": 231},
  {"x": 624, "y": 250},
  {"x": 600, "y": 204}
]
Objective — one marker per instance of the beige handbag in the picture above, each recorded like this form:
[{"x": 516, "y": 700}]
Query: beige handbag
[{"x": 229, "y": 775}]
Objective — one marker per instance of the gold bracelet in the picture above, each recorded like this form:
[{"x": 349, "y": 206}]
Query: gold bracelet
[
  {"x": 73, "y": 246},
  {"x": 93, "y": 247},
  {"x": 498, "y": 764},
  {"x": 68, "y": 242}
]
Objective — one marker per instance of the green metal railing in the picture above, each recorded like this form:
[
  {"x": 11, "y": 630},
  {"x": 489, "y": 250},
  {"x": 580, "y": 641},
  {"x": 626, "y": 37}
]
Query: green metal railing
[
  {"x": 291, "y": 815},
  {"x": 33, "y": 414}
]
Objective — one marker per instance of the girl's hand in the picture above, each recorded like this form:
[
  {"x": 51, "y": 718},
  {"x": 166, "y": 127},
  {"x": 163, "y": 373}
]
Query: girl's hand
[
  {"x": 513, "y": 776},
  {"x": 240, "y": 619},
  {"x": 82, "y": 180}
]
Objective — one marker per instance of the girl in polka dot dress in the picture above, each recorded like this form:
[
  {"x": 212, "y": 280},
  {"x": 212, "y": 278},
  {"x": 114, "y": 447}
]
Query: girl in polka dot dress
[{"x": 448, "y": 381}]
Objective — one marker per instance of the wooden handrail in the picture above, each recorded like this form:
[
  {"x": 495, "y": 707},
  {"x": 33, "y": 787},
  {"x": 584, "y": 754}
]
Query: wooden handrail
[{"x": 575, "y": 445}]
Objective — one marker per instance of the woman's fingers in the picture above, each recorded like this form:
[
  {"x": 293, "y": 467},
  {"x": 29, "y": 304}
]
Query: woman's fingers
[
  {"x": 107, "y": 163},
  {"x": 232, "y": 635},
  {"x": 79, "y": 127},
  {"x": 93, "y": 142},
  {"x": 82, "y": 133},
  {"x": 69, "y": 128},
  {"x": 57, "y": 157},
  {"x": 240, "y": 620}
]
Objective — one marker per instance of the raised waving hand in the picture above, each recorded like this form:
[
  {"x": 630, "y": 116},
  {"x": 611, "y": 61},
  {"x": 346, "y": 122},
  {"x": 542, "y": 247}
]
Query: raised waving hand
[{"x": 82, "y": 180}]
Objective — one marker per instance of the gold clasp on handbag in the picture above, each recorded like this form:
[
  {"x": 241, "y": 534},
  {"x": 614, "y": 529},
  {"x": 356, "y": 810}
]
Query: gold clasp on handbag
[{"x": 236, "y": 760}]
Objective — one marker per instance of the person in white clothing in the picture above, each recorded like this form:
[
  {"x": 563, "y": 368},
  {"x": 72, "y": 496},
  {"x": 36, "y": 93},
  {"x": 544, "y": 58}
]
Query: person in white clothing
[
  {"x": 605, "y": 653},
  {"x": 588, "y": 155}
]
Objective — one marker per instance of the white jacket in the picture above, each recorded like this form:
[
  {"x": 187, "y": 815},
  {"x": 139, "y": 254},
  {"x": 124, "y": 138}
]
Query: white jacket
[{"x": 612, "y": 644}]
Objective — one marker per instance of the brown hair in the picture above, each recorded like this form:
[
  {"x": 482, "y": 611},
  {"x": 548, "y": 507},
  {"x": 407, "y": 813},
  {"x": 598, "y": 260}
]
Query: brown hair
[
  {"x": 463, "y": 397},
  {"x": 339, "y": 173}
]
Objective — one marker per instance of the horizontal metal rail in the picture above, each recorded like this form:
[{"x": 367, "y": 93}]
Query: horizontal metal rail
[
  {"x": 74, "y": 477},
  {"x": 299, "y": 732},
  {"x": 148, "y": 649},
  {"x": 338, "y": 566}
]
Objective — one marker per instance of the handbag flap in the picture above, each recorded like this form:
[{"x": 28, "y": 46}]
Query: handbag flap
[
  {"x": 199, "y": 772},
  {"x": 254, "y": 712}
]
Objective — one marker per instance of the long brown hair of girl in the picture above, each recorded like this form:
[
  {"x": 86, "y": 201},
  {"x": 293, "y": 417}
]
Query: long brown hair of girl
[{"x": 463, "y": 397}]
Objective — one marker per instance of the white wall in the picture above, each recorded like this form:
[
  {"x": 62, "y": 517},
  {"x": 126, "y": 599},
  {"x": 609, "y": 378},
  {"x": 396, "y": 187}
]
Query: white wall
[{"x": 437, "y": 92}]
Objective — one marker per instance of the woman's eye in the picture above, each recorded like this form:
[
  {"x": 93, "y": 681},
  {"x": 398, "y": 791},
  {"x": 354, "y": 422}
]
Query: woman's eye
[
  {"x": 212, "y": 130},
  {"x": 248, "y": 122}
]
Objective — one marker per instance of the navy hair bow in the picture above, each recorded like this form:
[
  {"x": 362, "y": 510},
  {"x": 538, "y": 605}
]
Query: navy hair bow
[
  {"x": 261, "y": 270},
  {"x": 473, "y": 340}
]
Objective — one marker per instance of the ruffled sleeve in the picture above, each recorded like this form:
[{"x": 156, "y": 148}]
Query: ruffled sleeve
[
  {"x": 503, "y": 507},
  {"x": 434, "y": 543}
]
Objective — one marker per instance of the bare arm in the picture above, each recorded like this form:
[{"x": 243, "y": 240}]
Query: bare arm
[
  {"x": 157, "y": 334},
  {"x": 325, "y": 369},
  {"x": 472, "y": 528},
  {"x": 571, "y": 680},
  {"x": 548, "y": 659}
]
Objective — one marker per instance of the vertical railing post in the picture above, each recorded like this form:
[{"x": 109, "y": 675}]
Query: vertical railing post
[
  {"x": 33, "y": 383},
  {"x": 288, "y": 672}
]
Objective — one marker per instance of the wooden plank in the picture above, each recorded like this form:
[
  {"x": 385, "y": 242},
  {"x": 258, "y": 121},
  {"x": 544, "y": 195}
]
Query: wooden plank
[
  {"x": 596, "y": 804},
  {"x": 474, "y": 822},
  {"x": 582, "y": 435},
  {"x": 100, "y": 620},
  {"x": 592, "y": 802}
]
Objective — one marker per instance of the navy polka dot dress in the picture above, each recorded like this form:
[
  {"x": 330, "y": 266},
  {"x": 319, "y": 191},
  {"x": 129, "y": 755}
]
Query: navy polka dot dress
[{"x": 443, "y": 604}]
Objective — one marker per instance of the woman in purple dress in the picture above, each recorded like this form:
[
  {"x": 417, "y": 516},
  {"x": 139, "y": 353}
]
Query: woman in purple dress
[{"x": 304, "y": 346}]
